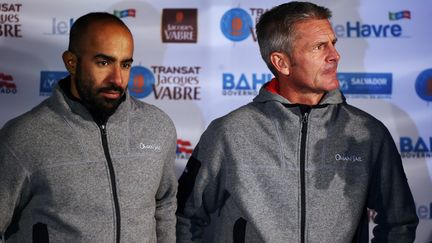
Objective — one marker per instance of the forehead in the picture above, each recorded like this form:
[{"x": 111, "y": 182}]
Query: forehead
[
  {"x": 103, "y": 36},
  {"x": 314, "y": 28}
]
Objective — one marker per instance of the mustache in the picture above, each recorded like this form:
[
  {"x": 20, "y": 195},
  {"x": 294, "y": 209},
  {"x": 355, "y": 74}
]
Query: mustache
[{"x": 112, "y": 87}]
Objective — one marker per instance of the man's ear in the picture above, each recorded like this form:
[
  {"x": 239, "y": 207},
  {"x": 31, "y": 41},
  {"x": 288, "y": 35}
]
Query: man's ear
[
  {"x": 280, "y": 62},
  {"x": 70, "y": 61}
]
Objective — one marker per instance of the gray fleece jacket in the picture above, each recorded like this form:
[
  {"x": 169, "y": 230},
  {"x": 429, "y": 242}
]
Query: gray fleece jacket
[
  {"x": 273, "y": 172},
  {"x": 64, "y": 179}
]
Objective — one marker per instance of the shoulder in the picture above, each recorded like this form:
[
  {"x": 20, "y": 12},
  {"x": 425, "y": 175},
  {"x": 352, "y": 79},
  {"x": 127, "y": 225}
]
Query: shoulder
[
  {"x": 26, "y": 124},
  {"x": 364, "y": 119},
  {"x": 360, "y": 114},
  {"x": 236, "y": 119},
  {"x": 241, "y": 121}
]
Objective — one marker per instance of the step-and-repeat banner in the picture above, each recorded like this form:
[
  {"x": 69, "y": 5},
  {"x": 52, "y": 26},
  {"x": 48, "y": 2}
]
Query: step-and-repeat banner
[{"x": 198, "y": 60}]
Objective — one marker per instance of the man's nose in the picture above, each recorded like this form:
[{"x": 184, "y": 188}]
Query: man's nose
[
  {"x": 333, "y": 55},
  {"x": 116, "y": 75}
]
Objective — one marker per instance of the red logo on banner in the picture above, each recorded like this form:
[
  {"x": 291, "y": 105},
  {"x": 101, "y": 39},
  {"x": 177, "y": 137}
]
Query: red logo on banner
[
  {"x": 6, "y": 84},
  {"x": 184, "y": 146},
  {"x": 184, "y": 149}
]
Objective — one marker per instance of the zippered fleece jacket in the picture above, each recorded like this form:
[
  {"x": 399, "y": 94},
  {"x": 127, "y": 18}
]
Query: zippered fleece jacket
[
  {"x": 268, "y": 173},
  {"x": 64, "y": 179}
]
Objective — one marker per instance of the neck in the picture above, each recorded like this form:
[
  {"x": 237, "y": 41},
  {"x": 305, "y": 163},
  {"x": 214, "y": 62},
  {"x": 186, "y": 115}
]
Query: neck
[{"x": 298, "y": 97}]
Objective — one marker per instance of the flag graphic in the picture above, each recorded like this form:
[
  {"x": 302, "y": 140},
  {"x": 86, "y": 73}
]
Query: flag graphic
[
  {"x": 400, "y": 15},
  {"x": 125, "y": 13}
]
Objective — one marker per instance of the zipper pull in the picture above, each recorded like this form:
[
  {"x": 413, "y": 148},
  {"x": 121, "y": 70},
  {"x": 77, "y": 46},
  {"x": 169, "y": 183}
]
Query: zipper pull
[
  {"x": 305, "y": 117},
  {"x": 103, "y": 129},
  {"x": 304, "y": 122},
  {"x": 305, "y": 110}
]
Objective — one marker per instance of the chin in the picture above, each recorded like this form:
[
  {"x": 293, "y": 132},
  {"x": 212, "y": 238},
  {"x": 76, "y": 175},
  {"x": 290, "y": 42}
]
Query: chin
[
  {"x": 329, "y": 88},
  {"x": 334, "y": 83}
]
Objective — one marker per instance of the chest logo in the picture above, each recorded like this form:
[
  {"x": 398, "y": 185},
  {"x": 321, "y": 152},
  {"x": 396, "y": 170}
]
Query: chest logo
[
  {"x": 153, "y": 147},
  {"x": 348, "y": 158}
]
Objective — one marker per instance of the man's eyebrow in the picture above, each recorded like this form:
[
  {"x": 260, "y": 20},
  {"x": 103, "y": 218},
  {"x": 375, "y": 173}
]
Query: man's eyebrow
[
  {"x": 103, "y": 56},
  {"x": 320, "y": 42},
  {"x": 111, "y": 58}
]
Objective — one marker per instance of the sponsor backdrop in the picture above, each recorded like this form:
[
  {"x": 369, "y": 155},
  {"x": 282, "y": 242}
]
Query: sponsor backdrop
[{"x": 198, "y": 60}]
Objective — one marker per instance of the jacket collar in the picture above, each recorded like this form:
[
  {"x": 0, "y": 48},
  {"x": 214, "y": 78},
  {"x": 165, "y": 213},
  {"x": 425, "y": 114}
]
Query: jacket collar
[
  {"x": 270, "y": 92},
  {"x": 73, "y": 107}
]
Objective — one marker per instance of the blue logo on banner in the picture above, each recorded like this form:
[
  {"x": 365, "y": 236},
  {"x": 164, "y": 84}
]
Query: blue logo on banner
[
  {"x": 60, "y": 26},
  {"x": 141, "y": 82},
  {"x": 365, "y": 83},
  {"x": 424, "y": 211},
  {"x": 358, "y": 29},
  {"x": 419, "y": 147},
  {"x": 423, "y": 85},
  {"x": 236, "y": 24},
  {"x": 244, "y": 84},
  {"x": 48, "y": 79}
]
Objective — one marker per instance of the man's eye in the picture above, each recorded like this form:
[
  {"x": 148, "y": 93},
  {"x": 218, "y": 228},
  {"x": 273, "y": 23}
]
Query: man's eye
[
  {"x": 126, "y": 65},
  {"x": 102, "y": 63}
]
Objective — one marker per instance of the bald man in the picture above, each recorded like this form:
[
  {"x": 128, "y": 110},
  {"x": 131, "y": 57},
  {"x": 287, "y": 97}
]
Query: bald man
[{"x": 90, "y": 163}]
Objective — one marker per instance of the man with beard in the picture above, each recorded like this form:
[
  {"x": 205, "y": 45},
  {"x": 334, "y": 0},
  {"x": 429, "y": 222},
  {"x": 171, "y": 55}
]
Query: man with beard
[
  {"x": 90, "y": 163},
  {"x": 298, "y": 164}
]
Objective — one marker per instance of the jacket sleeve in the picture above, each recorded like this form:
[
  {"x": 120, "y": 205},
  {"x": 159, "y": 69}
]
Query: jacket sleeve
[
  {"x": 13, "y": 180},
  {"x": 166, "y": 202},
  {"x": 391, "y": 197},
  {"x": 200, "y": 188}
]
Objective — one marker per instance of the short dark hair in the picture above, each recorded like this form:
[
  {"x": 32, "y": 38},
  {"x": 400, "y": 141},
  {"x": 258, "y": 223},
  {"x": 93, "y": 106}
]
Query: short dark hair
[
  {"x": 80, "y": 26},
  {"x": 276, "y": 28}
]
